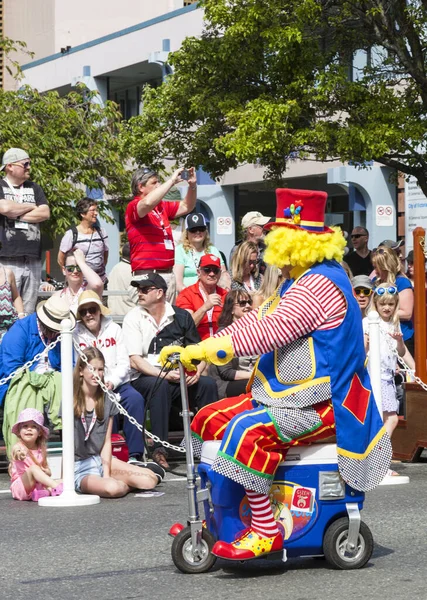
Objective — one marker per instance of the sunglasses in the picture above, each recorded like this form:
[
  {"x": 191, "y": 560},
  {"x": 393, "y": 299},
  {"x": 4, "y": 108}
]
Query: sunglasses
[
  {"x": 24, "y": 165},
  {"x": 380, "y": 291},
  {"x": 243, "y": 303},
  {"x": 357, "y": 235},
  {"x": 253, "y": 262},
  {"x": 91, "y": 310},
  {"x": 147, "y": 289},
  {"x": 72, "y": 268},
  {"x": 362, "y": 292},
  {"x": 197, "y": 230},
  {"x": 214, "y": 270}
]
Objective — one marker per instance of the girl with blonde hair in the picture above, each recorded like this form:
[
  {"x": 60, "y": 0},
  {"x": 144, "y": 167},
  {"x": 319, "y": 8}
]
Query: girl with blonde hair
[
  {"x": 245, "y": 273},
  {"x": 195, "y": 243},
  {"x": 385, "y": 301},
  {"x": 272, "y": 278},
  {"x": 388, "y": 268},
  {"x": 96, "y": 470}
]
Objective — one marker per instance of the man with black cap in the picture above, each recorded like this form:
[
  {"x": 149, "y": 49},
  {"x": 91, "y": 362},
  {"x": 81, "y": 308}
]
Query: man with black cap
[
  {"x": 23, "y": 206},
  {"x": 147, "y": 328}
]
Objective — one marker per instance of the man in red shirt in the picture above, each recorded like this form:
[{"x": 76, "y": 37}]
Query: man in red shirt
[
  {"x": 204, "y": 300},
  {"x": 147, "y": 223}
]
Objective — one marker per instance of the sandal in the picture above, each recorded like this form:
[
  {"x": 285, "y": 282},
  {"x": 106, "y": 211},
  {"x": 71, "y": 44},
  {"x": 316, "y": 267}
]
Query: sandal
[
  {"x": 58, "y": 490},
  {"x": 37, "y": 494},
  {"x": 160, "y": 459}
]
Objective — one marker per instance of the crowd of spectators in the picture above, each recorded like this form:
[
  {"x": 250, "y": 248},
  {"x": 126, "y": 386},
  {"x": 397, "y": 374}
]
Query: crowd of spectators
[{"x": 165, "y": 293}]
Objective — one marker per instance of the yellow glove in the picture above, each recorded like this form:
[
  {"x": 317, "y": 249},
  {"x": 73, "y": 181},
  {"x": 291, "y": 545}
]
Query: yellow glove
[
  {"x": 218, "y": 351},
  {"x": 166, "y": 352}
]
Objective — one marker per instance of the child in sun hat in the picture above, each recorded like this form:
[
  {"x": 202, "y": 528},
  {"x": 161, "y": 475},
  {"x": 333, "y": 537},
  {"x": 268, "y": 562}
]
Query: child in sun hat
[{"x": 28, "y": 470}]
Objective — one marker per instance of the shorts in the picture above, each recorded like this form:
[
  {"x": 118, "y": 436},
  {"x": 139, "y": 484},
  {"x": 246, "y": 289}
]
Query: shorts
[
  {"x": 19, "y": 492},
  {"x": 88, "y": 466}
]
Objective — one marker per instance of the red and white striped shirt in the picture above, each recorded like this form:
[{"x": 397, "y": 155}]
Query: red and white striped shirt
[{"x": 312, "y": 303}]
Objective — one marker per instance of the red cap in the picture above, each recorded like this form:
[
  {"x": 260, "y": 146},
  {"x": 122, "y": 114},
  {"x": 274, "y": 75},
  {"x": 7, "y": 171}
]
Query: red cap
[
  {"x": 301, "y": 209},
  {"x": 209, "y": 260}
]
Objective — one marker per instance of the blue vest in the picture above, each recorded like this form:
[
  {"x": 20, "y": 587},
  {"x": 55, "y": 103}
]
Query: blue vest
[{"x": 330, "y": 364}]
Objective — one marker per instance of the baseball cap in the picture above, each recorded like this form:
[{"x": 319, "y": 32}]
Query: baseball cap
[
  {"x": 13, "y": 155},
  {"x": 209, "y": 260},
  {"x": 149, "y": 280},
  {"x": 362, "y": 281},
  {"x": 391, "y": 244},
  {"x": 254, "y": 218},
  {"x": 195, "y": 220}
]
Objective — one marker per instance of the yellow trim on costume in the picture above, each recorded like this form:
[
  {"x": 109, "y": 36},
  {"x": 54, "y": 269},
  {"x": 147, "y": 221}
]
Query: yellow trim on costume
[
  {"x": 297, "y": 381},
  {"x": 368, "y": 450},
  {"x": 254, "y": 451},
  {"x": 267, "y": 460},
  {"x": 274, "y": 299},
  {"x": 220, "y": 411},
  {"x": 297, "y": 272},
  {"x": 292, "y": 222},
  {"x": 230, "y": 435},
  {"x": 244, "y": 437},
  {"x": 294, "y": 390}
]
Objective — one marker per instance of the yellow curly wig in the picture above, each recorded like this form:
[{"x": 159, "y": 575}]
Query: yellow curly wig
[{"x": 295, "y": 247}]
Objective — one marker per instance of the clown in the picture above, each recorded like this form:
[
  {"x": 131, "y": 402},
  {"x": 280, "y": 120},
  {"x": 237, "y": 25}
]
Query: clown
[{"x": 310, "y": 381}]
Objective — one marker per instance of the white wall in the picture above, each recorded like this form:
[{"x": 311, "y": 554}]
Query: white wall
[
  {"x": 120, "y": 52},
  {"x": 49, "y": 25},
  {"x": 30, "y": 21},
  {"x": 80, "y": 21}
]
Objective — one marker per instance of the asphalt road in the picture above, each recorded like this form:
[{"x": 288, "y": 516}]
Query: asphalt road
[{"x": 120, "y": 550}]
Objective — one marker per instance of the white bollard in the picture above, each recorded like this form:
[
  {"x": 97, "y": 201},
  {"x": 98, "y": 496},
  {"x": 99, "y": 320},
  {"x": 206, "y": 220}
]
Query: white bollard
[
  {"x": 69, "y": 496},
  {"x": 375, "y": 357}
]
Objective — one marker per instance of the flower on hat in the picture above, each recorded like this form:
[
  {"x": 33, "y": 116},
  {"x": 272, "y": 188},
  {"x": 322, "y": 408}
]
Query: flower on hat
[{"x": 294, "y": 210}]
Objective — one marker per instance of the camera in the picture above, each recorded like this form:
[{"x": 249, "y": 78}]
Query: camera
[{"x": 185, "y": 175}]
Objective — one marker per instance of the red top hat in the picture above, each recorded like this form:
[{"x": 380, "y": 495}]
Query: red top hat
[{"x": 301, "y": 209}]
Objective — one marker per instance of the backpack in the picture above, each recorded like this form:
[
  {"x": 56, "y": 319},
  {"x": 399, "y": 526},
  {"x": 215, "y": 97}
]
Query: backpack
[{"x": 75, "y": 233}]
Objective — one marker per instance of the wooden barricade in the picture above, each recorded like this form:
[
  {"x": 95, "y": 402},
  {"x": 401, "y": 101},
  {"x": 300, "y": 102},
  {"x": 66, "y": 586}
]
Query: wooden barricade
[{"x": 410, "y": 436}]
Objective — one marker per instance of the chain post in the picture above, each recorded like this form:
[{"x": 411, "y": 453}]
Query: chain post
[{"x": 69, "y": 496}]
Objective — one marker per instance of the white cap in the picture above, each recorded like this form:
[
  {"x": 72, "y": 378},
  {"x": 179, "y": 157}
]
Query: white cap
[
  {"x": 254, "y": 218},
  {"x": 13, "y": 155}
]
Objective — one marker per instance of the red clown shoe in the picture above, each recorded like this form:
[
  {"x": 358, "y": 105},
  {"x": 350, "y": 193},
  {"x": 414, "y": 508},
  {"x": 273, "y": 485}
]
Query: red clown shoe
[{"x": 249, "y": 545}]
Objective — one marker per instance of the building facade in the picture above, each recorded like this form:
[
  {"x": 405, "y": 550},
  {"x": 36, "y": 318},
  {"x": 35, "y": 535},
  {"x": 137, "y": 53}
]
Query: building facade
[{"x": 119, "y": 53}]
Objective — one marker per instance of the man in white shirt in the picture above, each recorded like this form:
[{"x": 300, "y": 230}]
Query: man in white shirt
[{"x": 147, "y": 329}]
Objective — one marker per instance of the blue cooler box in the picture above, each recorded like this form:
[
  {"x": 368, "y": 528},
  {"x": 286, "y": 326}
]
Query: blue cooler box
[{"x": 306, "y": 496}]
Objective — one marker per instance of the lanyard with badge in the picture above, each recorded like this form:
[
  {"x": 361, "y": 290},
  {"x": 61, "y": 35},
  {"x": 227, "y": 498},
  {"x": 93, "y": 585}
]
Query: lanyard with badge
[
  {"x": 91, "y": 424},
  {"x": 45, "y": 343},
  {"x": 18, "y": 194},
  {"x": 209, "y": 313},
  {"x": 167, "y": 240}
]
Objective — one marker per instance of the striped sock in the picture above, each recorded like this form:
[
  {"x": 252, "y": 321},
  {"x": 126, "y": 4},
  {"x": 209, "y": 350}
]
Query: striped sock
[{"x": 262, "y": 516}]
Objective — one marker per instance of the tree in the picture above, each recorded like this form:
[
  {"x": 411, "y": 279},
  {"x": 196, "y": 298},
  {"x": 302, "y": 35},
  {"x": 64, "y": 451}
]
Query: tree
[
  {"x": 272, "y": 79},
  {"x": 73, "y": 143}
]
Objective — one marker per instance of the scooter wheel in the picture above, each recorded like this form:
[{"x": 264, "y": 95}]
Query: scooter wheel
[
  {"x": 182, "y": 552},
  {"x": 334, "y": 546}
]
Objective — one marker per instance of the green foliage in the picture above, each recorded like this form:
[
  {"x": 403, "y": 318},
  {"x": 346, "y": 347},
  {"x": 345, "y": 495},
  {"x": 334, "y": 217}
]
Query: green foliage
[
  {"x": 72, "y": 140},
  {"x": 73, "y": 143},
  {"x": 269, "y": 79}
]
